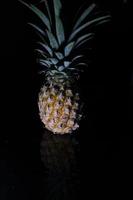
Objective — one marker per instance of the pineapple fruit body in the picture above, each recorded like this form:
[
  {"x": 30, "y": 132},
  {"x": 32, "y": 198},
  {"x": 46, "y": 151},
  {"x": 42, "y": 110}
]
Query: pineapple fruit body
[
  {"x": 59, "y": 109},
  {"x": 61, "y": 62}
]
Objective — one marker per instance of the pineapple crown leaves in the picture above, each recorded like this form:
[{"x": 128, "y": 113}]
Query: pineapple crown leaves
[
  {"x": 52, "y": 40},
  {"x": 59, "y": 25},
  {"x": 84, "y": 15}
]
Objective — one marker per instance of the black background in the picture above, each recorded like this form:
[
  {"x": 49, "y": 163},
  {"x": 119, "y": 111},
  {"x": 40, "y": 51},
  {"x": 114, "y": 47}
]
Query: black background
[{"x": 104, "y": 135}]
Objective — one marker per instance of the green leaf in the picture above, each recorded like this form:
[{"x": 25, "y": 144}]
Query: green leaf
[
  {"x": 54, "y": 71},
  {"x": 84, "y": 41},
  {"x": 84, "y": 15},
  {"x": 81, "y": 64},
  {"x": 91, "y": 22},
  {"x": 60, "y": 31},
  {"x": 59, "y": 55},
  {"x": 43, "y": 63},
  {"x": 77, "y": 57},
  {"x": 56, "y": 67},
  {"x": 42, "y": 53},
  {"x": 72, "y": 69},
  {"x": 46, "y": 62},
  {"x": 47, "y": 48},
  {"x": 42, "y": 72},
  {"x": 54, "y": 60},
  {"x": 57, "y": 7},
  {"x": 58, "y": 23},
  {"x": 69, "y": 48},
  {"x": 102, "y": 22},
  {"x": 41, "y": 37},
  {"x": 48, "y": 10},
  {"x": 38, "y": 29},
  {"x": 61, "y": 68},
  {"x": 75, "y": 70},
  {"x": 80, "y": 39},
  {"x": 63, "y": 73},
  {"x": 39, "y": 13},
  {"x": 39, "y": 32},
  {"x": 52, "y": 40},
  {"x": 67, "y": 63}
]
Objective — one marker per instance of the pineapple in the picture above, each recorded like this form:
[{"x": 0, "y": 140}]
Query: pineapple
[{"x": 61, "y": 61}]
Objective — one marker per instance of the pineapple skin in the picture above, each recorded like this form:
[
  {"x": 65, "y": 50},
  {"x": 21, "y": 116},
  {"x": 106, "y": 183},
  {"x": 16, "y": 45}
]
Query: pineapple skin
[{"x": 59, "y": 109}]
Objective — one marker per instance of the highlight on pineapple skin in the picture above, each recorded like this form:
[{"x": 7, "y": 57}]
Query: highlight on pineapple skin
[{"x": 59, "y": 109}]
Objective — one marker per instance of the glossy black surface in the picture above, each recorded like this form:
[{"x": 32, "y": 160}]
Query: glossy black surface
[{"x": 102, "y": 147}]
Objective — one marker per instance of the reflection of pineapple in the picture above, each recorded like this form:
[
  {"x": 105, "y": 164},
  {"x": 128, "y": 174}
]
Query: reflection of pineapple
[{"x": 58, "y": 99}]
